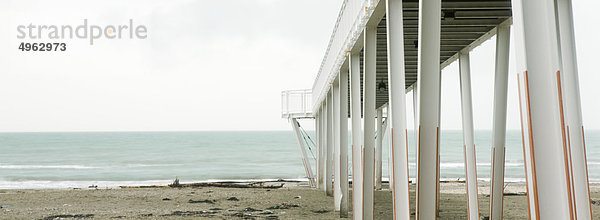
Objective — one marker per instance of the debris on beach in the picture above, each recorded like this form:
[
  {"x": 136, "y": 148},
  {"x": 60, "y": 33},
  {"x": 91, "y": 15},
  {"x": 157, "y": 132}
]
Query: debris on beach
[
  {"x": 176, "y": 184},
  {"x": 515, "y": 194},
  {"x": 68, "y": 216},
  {"x": 284, "y": 206},
  {"x": 250, "y": 209},
  {"x": 266, "y": 212},
  {"x": 321, "y": 211},
  {"x": 202, "y": 201},
  {"x": 243, "y": 215},
  {"x": 233, "y": 199},
  {"x": 191, "y": 213},
  {"x": 166, "y": 199}
]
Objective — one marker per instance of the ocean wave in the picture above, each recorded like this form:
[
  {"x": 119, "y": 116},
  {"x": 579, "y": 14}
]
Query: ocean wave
[
  {"x": 42, "y": 184},
  {"x": 71, "y": 166},
  {"x": 151, "y": 165},
  {"x": 11, "y": 166},
  {"x": 453, "y": 165}
]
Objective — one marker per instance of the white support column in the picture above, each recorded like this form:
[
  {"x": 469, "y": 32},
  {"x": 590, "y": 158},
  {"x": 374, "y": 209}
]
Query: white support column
[
  {"x": 575, "y": 133},
  {"x": 324, "y": 144},
  {"x": 397, "y": 109},
  {"x": 343, "y": 142},
  {"x": 329, "y": 155},
  {"x": 337, "y": 190},
  {"x": 416, "y": 110},
  {"x": 378, "y": 148},
  {"x": 355, "y": 113},
  {"x": 321, "y": 162},
  {"x": 499, "y": 126},
  {"x": 370, "y": 67},
  {"x": 544, "y": 133},
  {"x": 318, "y": 148},
  {"x": 387, "y": 128},
  {"x": 468, "y": 136},
  {"x": 429, "y": 116},
  {"x": 307, "y": 168}
]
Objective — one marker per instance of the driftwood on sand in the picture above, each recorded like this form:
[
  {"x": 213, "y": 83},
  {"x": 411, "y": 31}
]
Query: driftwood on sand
[{"x": 176, "y": 184}]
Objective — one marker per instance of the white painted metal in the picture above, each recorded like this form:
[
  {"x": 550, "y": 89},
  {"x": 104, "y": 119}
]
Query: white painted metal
[
  {"x": 295, "y": 103},
  {"x": 468, "y": 136},
  {"x": 573, "y": 106},
  {"x": 305, "y": 161},
  {"x": 337, "y": 190},
  {"x": 370, "y": 56},
  {"x": 523, "y": 106},
  {"x": 397, "y": 109},
  {"x": 499, "y": 126},
  {"x": 416, "y": 110},
  {"x": 355, "y": 113},
  {"x": 429, "y": 115},
  {"x": 390, "y": 150},
  {"x": 343, "y": 142},
  {"x": 378, "y": 148},
  {"x": 319, "y": 122},
  {"x": 351, "y": 22},
  {"x": 330, "y": 138},
  {"x": 323, "y": 145},
  {"x": 544, "y": 130}
]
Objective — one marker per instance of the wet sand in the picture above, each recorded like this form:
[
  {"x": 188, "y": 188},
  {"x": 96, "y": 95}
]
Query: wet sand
[{"x": 293, "y": 201}]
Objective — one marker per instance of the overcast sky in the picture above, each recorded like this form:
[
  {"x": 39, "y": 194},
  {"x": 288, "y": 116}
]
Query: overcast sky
[{"x": 210, "y": 65}]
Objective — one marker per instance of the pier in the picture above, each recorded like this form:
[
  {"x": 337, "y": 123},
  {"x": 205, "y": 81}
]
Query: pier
[{"x": 382, "y": 49}]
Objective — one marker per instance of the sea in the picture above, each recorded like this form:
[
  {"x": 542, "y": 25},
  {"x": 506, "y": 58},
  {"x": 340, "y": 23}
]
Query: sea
[{"x": 110, "y": 159}]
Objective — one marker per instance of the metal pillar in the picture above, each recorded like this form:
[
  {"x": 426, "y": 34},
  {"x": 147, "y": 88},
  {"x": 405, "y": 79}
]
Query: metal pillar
[
  {"x": 323, "y": 151},
  {"x": 544, "y": 135},
  {"x": 329, "y": 146},
  {"x": 572, "y": 101},
  {"x": 307, "y": 169},
  {"x": 323, "y": 145},
  {"x": 390, "y": 150},
  {"x": 416, "y": 110},
  {"x": 429, "y": 116},
  {"x": 337, "y": 191},
  {"x": 378, "y": 148},
  {"x": 397, "y": 109},
  {"x": 499, "y": 126},
  {"x": 343, "y": 142},
  {"x": 355, "y": 113},
  {"x": 317, "y": 149},
  {"x": 370, "y": 56},
  {"x": 319, "y": 164},
  {"x": 468, "y": 133}
]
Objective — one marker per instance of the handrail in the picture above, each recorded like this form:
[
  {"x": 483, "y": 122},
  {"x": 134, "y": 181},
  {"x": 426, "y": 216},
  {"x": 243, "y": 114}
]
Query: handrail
[
  {"x": 295, "y": 103},
  {"x": 351, "y": 21}
]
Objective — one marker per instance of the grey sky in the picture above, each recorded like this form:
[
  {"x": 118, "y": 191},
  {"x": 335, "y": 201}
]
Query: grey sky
[{"x": 209, "y": 65}]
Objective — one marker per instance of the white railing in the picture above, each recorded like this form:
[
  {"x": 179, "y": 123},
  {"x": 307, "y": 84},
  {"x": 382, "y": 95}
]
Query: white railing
[
  {"x": 351, "y": 21},
  {"x": 296, "y": 103}
]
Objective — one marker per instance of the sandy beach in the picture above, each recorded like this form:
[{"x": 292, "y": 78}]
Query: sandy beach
[{"x": 293, "y": 201}]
